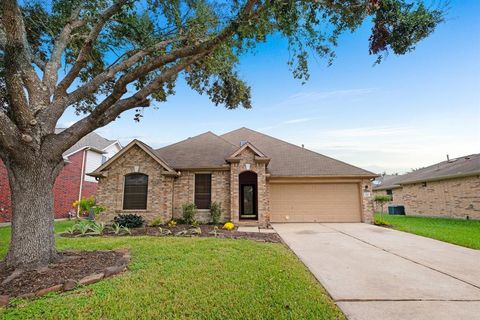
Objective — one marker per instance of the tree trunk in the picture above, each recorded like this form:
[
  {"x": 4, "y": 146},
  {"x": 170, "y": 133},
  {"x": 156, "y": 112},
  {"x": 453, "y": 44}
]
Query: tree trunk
[{"x": 31, "y": 184}]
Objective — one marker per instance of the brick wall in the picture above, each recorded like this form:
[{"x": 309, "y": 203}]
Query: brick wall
[
  {"x": 247, "y": 157},
  {"x": 65, "y": 190},
  {"x": 367, "y": 200},
  {"x": 456, "y": 198},
  {"x": 110, "y": 189}
]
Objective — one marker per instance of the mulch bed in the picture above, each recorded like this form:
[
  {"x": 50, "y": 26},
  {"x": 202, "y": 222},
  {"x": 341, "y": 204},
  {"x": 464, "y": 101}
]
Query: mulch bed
[
  {"x": 206, "y": 229},
  {"x": 71, "y": 266}
]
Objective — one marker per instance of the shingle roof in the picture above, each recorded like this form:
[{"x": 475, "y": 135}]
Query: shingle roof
[
  {"x": 387, "y": 182},
  {"x": 92, "y": 139},
  {"x": 206, "y": 150},
  {"x": 462, "y": 166},
  {"x": 291, "y": 160}
]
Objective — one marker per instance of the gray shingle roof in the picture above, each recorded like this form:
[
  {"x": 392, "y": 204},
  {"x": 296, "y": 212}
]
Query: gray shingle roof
[
  {"x": 387, "y": 182},
  {"x": 462, "y": 166},
  {"x": 92, "y": 139},
  {"x": 291, "y": 160},
  {"x": 206, "y": 150}
]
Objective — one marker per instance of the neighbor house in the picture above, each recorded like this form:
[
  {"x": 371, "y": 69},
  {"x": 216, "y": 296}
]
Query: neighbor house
[
  {"x": 72, "y": 183},
  {"x": 450, "y": 188},
  {"x": 255, "y": 177}
]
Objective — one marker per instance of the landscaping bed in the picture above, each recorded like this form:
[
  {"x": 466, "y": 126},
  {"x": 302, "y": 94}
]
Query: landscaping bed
[
  {"x": 72, "y": 268},
  {"x": 185, "y": 230}
]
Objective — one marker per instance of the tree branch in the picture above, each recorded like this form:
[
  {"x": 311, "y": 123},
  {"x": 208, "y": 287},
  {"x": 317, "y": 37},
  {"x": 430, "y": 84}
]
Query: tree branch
[
  {"x": 83, "y": 55},
  {"x": 61, "y": 42}
]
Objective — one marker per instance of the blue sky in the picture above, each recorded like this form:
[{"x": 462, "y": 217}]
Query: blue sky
[{"x": 408, "y": 112}]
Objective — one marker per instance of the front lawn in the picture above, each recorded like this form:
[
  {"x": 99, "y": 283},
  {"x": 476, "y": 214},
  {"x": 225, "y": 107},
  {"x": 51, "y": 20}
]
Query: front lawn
[
  {"x": 186, "y": 278},
  {"x": 461, "y": 232}
]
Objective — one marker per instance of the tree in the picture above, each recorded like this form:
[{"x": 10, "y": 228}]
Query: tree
[
  {"x": 381, "y": 199},
  {"x": 103, "y": 57}
]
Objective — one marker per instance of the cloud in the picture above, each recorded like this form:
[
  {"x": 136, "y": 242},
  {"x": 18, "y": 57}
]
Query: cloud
[{"x": 298, "y": 120}]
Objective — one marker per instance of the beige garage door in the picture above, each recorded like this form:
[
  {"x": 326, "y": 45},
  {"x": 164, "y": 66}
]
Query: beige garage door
[{"x": 315, "y": 202}]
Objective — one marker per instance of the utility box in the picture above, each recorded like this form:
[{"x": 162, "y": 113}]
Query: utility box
[{"x": 396, "y": 210}]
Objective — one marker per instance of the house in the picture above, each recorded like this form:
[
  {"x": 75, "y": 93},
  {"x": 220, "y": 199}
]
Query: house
[
  {"x": 72, "y": 183},
  {"x": 449, "y": 188},
  {"x": 256, "y": 178}
]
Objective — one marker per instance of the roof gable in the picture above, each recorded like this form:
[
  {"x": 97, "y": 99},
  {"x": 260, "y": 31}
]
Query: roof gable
[
  {"x": 251, "y": 147},
  {"x": 141, "y": 145},
  {"x": 92, "y": 140},
  {"x": 289, "y": 160}
]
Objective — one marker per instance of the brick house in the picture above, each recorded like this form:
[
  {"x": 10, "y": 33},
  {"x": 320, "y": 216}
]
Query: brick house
[
  {"x": 257, "y": 178},
  {"x": 72, "y": 183},
  {"x": 447, "y": 189}
]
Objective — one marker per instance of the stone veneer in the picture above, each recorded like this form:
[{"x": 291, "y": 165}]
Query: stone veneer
[
  {"x": 110, "y": 189},
  {"x": 456, "y": 198},
  {"x": 247, "y": 157}
]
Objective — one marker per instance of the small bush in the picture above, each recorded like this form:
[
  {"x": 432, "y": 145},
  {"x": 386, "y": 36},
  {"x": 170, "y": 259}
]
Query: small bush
[
  {"x": 189, "y": 212},
  {"x": 215, "y": 212},
  {"x": 195, "y": 223},
  {"x": 381, "y": 199},
  {"x": 129, "y": 220},
  {"x": 229, "y": 226},
  {"x": 172, "y": 223},
  {"x": 156, "y": 222}
]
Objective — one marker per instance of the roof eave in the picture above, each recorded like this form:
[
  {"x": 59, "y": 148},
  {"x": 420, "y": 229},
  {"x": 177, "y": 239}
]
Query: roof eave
[{"x": 460, "y": 175}]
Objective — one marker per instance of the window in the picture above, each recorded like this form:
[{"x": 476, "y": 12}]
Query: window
[
  {"x": 135, "y": 192},
  {"x": 203, "y": 190},
  {"x": 390, "y": 193}
]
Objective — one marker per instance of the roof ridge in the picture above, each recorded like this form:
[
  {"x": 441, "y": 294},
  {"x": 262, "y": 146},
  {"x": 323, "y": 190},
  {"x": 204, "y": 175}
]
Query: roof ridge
[
  {"x": 189, "y": 138},
  {"x": 301, "y": 148}
]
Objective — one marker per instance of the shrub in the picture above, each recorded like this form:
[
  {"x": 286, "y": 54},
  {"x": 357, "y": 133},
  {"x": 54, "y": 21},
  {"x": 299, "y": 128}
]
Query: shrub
[
  {"x": 215, "y": 212},
  {"x": 129, "y": 220},
  {"x": 117, "y": 229},
  {"x": 381, "y": 199},
  {"x": 229, "y": 226},
  {"x": 195, "y": 223},
  {"x": 172, "y": 223},
  {"x": 188, "y": 212},
  {"x": 156, "y": 222},
  {"x": 85, "y": 204}
]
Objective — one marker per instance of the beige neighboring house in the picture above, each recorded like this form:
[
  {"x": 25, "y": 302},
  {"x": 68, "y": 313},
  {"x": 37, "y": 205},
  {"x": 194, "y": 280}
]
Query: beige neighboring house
[
  {"x": 449, "y": 189},
  {"x": 257, "y": 179}
]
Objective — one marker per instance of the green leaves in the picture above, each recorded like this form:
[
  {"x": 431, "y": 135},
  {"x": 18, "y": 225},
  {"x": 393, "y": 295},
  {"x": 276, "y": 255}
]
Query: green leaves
[{"x": 312, "y": 28}]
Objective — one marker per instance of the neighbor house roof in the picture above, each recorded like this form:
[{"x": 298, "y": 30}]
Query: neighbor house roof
[
  {"x": 290, "y": 160},
  {"x": 91, "y": 140},
  {"x": 206, "y": 150},
  {"x": 387, "y": 182},
  {"x": 452, "y": 168}
]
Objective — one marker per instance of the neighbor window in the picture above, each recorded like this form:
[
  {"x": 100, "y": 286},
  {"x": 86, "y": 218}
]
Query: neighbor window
[
  {"x": 390, "y": 193},
  {"x": 135, "y": 192},
  {"x": 203, "y": 190}
]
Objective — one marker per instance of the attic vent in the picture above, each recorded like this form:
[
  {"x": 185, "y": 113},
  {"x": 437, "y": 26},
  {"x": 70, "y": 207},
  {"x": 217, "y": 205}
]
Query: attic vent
[{"x": 242, "y": 142}]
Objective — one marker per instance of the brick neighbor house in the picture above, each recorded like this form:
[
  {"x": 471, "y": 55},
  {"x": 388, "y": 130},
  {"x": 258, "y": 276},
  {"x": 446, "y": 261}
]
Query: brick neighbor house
[
  {"x": 72, "y": 183},
  {"x": 257, "y": 178},
  {"x": 447, "y": 189}
]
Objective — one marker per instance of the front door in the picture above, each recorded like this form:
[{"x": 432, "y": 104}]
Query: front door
[{"x": 248, "y": 201}]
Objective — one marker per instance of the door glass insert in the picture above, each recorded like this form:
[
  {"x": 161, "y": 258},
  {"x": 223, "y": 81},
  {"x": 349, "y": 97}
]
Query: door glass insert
[{"x": 248, "y": 208}]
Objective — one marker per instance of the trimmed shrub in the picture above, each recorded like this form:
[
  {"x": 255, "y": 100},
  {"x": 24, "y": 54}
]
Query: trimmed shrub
[
  {"x": 215, "y": 212},
  {"x": 189, "y": 211},
  {"x": 129, "y": 220}
]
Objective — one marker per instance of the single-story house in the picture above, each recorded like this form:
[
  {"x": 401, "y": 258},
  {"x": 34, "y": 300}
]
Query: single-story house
[
  {"x": 449, "y": 188},
  {"x": 72, "y": 183},
  {"x": 256, "y": 178}
]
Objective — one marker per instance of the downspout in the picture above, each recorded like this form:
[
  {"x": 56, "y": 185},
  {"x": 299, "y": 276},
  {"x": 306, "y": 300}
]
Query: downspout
[{"x": 81, "y": 181}]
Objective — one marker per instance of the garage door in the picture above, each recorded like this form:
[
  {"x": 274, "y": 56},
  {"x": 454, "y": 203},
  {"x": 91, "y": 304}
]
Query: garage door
[{"x": 315, "y": 202}]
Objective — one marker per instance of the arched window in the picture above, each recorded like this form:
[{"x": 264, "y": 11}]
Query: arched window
[{"x": 135, "y": 192}]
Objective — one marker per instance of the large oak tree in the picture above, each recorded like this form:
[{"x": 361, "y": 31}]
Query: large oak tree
[{"x": 103, "y": 57}]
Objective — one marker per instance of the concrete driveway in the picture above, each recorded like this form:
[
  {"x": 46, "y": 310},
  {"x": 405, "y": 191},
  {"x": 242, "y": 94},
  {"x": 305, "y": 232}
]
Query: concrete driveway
[{"x": 377, "y": 273}]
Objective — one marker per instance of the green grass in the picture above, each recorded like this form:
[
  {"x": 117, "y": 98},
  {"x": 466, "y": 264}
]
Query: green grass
[
  {"x": 461, "y": 232},
  {"x": 186, "y": 278}
]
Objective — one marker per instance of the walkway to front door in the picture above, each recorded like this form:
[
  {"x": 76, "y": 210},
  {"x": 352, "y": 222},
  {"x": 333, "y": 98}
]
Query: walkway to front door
[{"x": 376, "y": 273}]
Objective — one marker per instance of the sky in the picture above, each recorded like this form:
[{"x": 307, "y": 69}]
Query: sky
[{"x": 408, "y": 112}]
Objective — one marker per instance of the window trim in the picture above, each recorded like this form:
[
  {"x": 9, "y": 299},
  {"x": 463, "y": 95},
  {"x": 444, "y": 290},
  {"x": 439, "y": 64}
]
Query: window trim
[
  {"x": 123, "y": 191},
  {"x": 195, "y": 191}
]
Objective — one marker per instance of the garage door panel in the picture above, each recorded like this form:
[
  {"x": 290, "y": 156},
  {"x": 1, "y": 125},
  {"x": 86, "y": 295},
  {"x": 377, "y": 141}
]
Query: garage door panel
[{"x": 329, "y": 202}]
